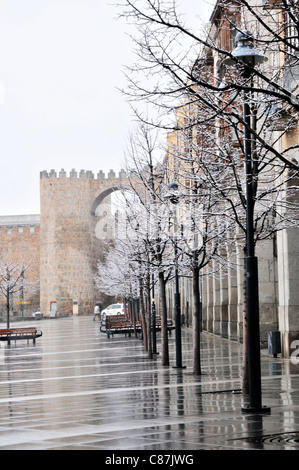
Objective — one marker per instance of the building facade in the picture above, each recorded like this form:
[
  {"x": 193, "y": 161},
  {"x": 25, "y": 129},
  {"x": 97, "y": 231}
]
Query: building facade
[
  {"x": 222, "y": 293},
  {"x": 65, "y": 240},
  {"x": 71, "y": 232},
  {"x": 20, "y": 243}
]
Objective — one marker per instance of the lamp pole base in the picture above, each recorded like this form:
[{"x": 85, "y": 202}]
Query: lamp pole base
[{"x": 259, "y": 410}]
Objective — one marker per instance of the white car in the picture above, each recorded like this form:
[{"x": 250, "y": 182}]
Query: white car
[{"x": 114, "y": 309}]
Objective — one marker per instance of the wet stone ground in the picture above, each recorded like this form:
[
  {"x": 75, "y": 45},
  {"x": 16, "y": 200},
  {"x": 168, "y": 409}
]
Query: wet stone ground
[{"x": 75, "y": 389}]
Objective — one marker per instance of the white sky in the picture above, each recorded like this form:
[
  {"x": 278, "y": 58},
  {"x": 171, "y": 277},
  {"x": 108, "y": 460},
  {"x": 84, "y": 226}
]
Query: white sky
[{"x": 60, "y": 67}]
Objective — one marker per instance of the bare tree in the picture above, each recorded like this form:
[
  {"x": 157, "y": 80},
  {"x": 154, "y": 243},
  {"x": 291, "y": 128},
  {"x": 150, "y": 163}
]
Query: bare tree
[
  {"x": 144, "y": 165},
  {"x": 173, "y": 72},
  {"x": 14, "y": 280},
  {"x": 173, "y": 77}
]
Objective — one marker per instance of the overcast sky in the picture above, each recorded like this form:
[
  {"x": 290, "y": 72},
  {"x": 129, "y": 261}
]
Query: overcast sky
[{"x": 60, "y": 67}]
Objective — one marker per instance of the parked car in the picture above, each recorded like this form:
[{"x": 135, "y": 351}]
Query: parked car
[{"x": 114, "y": 309}]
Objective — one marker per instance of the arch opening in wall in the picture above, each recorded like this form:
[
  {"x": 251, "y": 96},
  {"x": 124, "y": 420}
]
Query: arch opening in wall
[
  {"x": 103, "y": 195},
  {"x": 109, "y": 210}
]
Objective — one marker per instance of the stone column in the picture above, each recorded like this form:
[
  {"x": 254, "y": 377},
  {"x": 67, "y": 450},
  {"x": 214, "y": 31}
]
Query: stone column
[
  {"x": 288, "y": 288},
  {"x": 267, "y": 288},
  {"x": 232, "y": 295}
]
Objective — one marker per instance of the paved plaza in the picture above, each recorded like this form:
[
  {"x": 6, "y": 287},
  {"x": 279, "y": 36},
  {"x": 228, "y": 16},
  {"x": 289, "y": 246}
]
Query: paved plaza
[{"x": 75, "y": 389}]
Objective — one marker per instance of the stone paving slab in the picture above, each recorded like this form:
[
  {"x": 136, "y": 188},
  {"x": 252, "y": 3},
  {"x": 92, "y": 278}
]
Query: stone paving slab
[{"x": 78, "y": 390}]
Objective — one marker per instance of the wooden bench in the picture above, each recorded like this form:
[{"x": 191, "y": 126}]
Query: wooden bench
[
  {"x": 118, "y": 324},
  {"x": 170, "y": 325},
  {"x": 13, "y": 334}
]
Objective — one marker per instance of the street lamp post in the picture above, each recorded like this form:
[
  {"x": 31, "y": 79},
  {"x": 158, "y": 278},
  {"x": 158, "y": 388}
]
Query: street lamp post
[
  {"x": 174, "y": 199},
  {"x": 247, "y": 56}
]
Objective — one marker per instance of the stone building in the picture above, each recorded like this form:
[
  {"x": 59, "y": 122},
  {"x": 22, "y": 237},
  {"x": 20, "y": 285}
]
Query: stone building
[
  {"x": 279, "y": 254},
  {"x": 73, "y": 227},
  {"x": 75, "y": 216},
  {"x": 65, "y": 240},
  {"x": 20, "y": 242},
  {"x": 223, "y": 294}
]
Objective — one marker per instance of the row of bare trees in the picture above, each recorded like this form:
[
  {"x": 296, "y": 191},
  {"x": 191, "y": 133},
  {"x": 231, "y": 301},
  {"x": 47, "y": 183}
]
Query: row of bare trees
[{"x": 197, "y": 101}]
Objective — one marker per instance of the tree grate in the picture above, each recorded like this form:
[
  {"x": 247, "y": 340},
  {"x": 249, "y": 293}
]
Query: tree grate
[{"x": 282, "y": 439}]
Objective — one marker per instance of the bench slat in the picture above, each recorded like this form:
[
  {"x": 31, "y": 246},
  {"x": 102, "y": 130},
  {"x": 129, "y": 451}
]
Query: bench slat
[
  {"x": 121, "y": 324},
  {"x": 10, "y": 334}
]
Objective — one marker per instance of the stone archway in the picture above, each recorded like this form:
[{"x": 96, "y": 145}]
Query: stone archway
[
  {"x": 68, "y": 243},
  {"x": 105, "y": 193},
  {"x": 104, "y": 219}
]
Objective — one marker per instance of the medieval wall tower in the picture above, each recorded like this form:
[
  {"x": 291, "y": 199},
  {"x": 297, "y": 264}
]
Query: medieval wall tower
[
  {"x": 20, "y": 243},
  {"x": 71, "y": 238}
]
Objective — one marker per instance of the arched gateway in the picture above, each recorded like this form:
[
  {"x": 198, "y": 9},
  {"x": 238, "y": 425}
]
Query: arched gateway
[{"x": 70, "y": 247}]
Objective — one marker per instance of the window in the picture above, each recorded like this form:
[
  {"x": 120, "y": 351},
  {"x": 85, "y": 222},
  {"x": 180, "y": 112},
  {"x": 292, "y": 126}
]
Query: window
[{"x": 292, "y": 35}]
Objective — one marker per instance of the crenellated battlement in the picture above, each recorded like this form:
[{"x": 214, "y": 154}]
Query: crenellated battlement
[
  {"x": 86, "y": 174},
  {"x": 10, "y": 221}
]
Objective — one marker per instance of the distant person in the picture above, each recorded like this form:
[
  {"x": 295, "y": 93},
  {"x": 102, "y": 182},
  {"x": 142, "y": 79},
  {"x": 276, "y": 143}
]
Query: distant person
[{"x": 96, "y": 312}]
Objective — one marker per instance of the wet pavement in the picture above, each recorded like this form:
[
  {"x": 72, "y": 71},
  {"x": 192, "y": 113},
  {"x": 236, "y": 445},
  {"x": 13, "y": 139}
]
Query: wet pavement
[{"x": 75, "y": 389}]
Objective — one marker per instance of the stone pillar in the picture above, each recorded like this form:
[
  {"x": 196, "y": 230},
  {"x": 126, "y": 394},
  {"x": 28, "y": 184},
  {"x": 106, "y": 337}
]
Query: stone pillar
[
  {"x": 288, "y": 273},
  {"x": 209, "y": 303},
  {"x": 204, "y": 298},
  {"x": 223, "y": 284},
  {"x": 240, "y": 291},
  {"x": 288, "y": 287},
  {"x": 232, "y": 296},
  {"x": 267, "y": 274},
  {"x": 216, "y": 301}
]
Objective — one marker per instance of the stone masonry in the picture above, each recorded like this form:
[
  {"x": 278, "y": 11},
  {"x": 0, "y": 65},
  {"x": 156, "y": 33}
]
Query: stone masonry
[
  {"x": 20, "y": 241},
  {"x": 71, "y": 240}
]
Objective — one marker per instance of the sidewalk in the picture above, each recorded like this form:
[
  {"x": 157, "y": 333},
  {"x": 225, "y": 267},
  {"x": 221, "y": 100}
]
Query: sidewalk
[{"x": 77, "y": 390}]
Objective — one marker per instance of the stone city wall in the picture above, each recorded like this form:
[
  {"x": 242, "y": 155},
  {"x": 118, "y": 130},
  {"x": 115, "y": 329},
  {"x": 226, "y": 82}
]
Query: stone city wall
[
  {"x": 69, "y": 246},
  {"x": 20, "y": 241}
]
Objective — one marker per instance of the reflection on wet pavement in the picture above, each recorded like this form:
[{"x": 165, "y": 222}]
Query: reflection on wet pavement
[{"x": 77, "y": 389}]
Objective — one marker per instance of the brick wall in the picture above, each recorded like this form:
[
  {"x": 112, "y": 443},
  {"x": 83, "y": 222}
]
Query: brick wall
[
  {"x": 22, "y": 242},
  {"x": 64, "y": 240},
  {"x": 70, "y": 248}
]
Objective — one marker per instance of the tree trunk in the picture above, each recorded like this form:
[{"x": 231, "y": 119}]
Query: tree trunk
[
  {"x": 7, "y": 310},
  {"x": 196, "y": 322},
  {"x": 164, "y": 332},
  {"x": 135, "y": 309},
  {"x": 149, "y": 320},
  {"x": 143, "y": 318}
]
